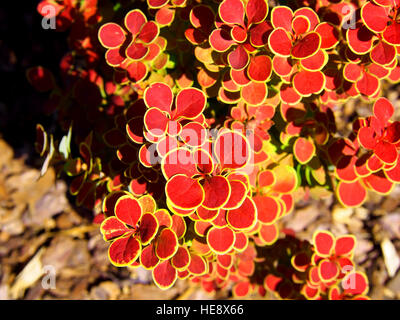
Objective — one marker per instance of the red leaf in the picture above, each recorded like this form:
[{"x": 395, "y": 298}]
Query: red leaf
[
  {"x": 111, "y": 35},
  {"x": 165, "y": 16},
  {"x": 220, "y": 40},
  {"x": 351, "y": 194},
  {"x": 148, "y": 228},
  {"x": 256, "y": 11},
  {"x": 310, "y": 14},
  {"x": 220, "y": 219},
  {"x": 148, "y": 258},
  {"x": 329, "y": 35},
  {"x": 164, "y": 275},
  {"x": 159, "y": 95},
  {"x": 310, "y": 292},
  {"x": 383, "y": 53},
  {"x": 134, "y": 21},
  {"x": 124, "y": 251},
  {"x": 280, "y": 43},
  {"x": 392, "y": 34},
  {"x": 225, "y": 260},
  {"x": 386, "y": 152},
  {"x": 282, "y": 66},
  {"x": 314, "y": 275},
  {"x": 220, "y": 240},
  {"x": 345, "y": 168},
  {"x": 269, "y": 233},
  {"x": 137, "y": 71},
  {"x": 239, "y": 77},
  {"x": 309, "y": 82},
  {"x": 367, "y": 137},
  {"x": 344, "y": 245},
  {"x": 217, "y": 191},
  {"x": 352, "y": 72},
  {"x": 271, "y": 282},
  {"x": 184, "y": 192},
  {"x": 149, "y": 32},
  {"x": 241, "y": 289},
  {"x": 359, "y": 39},
  {"x": 268, "y": 209},
  {"x": 181, "y": 259},
  {"x": 193, "y": 134},
  {"x": 355, "y": 283},
  {"x": 238, "y": 58},
  {"x": 244, "y": 217},
  {"x": 379, "y": 183},
  {"x": 134, "y": 129},
  {"x": 286, "y": 179},
  {"x": 259, "y": 34},
  {"x": 206, "y": 214},
  {"x": 288, "y": 94},
  {"x": 281, "y": 17},
  {"x": 178, "y": 226},
  {"x": 383, "y": 110},
  {"x": 304, "y": 150},
  {"x": 136, "y": 51},
  {"x": 394, "y": 173},
  {"x": 232, "y": 12},
  {"x": 114, "y": 57},
  {"x": 328, "y": 270},
  {"x": 197, "y": 265},
  {"x": 166, "y": 244},
  {"x": 288, "y": 202},
  {"x": 392, "y": 133},
  {"x": 246, "y": 267},
  {"x": 375, "y": 17},
  {"x": 178, "y": 161},
  {"x": 237, "y": 195},
  {"x": 157, "y": 3},
  {"x": 128, "y": 210},
  {"x": 239, "y": 34},
  {"x": 300, "y": 25},
  {"x": 307, "y": 46},
  {"x": 112, "y": 228},
  {"x": 374, "y": 164},
  {"x": 190, "y": 103},
  {"x": 255, "y": 93},
  {"x": 241, "y": 241},
  {"x": 260, "y": 68},
  {"x": 315, "y": 62},
  {"x": 324, "y": 242},
  {"x": 164, "y": 218},
  {"x": 266, "y": 178},
  {"x": 156, "y": 122}
]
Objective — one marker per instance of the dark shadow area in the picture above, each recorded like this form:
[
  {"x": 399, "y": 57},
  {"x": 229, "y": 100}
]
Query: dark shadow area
[{"x": 24, "y": 44}]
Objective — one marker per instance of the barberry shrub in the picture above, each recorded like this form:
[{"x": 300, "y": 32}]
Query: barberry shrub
[{"x": 193, "y": 127}]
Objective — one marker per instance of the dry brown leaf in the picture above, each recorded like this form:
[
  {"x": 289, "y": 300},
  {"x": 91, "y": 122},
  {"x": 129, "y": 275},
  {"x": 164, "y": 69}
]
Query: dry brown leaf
[
  {"x": 28, "y": 276},
  {"x": 390, "y": 256}
]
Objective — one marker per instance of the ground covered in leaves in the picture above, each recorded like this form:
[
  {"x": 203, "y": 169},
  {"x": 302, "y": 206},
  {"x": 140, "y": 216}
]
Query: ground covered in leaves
[{"x": 42, "y": 233}]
